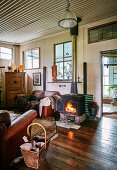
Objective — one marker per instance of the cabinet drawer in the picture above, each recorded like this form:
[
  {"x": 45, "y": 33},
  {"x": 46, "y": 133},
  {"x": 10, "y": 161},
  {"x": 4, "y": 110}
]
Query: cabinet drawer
[{"x": 11, "y": 98}]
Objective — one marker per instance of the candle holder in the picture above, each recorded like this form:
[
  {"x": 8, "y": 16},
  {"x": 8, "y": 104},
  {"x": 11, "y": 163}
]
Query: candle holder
[{"x": 79, "y": 80}]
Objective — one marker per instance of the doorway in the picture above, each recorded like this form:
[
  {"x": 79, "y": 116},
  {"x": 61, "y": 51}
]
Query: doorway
[{"x": 109, "y": 82}]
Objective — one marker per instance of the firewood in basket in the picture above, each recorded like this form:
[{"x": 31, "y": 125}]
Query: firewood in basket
[
  {"x": 25, "y": 138},
  {"x": 39, "y": 144}
]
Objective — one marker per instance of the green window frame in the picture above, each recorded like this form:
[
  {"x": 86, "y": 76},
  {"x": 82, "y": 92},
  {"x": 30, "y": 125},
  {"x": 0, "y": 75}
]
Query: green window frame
[
  {"x": 63, "y": 60},
  {"x": 31, "y": 58},
  {"x": 102, "y": 32}
]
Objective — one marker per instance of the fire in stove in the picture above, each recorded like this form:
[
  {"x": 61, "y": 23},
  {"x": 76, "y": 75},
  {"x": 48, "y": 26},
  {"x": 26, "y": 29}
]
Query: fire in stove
[{"x": 70, "y": 107}]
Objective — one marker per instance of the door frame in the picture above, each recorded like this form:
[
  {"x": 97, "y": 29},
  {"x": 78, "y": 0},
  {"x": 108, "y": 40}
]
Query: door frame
[{"x": 101, "y": 78}]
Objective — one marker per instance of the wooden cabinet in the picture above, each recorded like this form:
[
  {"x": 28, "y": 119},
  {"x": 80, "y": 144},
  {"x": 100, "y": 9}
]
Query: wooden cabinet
[{"x": 15, "y": 84}]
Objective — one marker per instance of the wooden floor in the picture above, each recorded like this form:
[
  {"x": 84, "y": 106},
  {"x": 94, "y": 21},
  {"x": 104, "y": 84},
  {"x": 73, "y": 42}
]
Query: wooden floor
[{"x": 92, "y": 147}]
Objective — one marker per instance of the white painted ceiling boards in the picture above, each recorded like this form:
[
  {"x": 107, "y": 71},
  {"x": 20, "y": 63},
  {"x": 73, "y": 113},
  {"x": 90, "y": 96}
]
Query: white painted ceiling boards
[{"x": 24, "y": 20}]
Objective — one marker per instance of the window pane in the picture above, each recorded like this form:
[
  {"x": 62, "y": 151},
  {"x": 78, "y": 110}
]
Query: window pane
[
  {"x": 115, "y": 60},
  {"x": 27, "y": 60},
  {"x": 106, "y": 80},
  {"x": 68, "y": 70},
  {"x": 105, "y": 91},
  {"x": 114, "y": 30},
  {"x": 106, "y": 60},
  {"x": 59, "y": 70},
  {"x": 5, "y": 53},
  {"x": 28, "y": 54},
  {"x": 105, "y": 71},
  {"x": 107, "y": 31},
  {"x": 94, "y": 35},
  {"x": 6, "y": 56},
  {"x": 59, "y": 52},
  {"x": 115, "y": 76},
  {"x": 6, "y": 50},
  {"x": 115, "y": 81},
  {"x": 115, "y": 69},
  {"x": 68, "y": 49},
  {"x": 94, "y": 32},
  {"x": 68, "y": 59},
  {"x": 35, "y": 54},
  {"x": 31, "y": 59},
  {"x": 28, "y": 64},
  {"x": 35, "y": 63}
]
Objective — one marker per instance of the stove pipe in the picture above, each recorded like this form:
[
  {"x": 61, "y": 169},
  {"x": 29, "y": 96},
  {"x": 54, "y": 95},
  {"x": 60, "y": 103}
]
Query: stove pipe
[
  {"x": 74, "y": 65},
  {"x": 74, "y": 34},
  {"x": 85, "y": 78}
]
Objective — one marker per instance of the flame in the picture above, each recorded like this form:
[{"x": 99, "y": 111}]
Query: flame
[{"x": 70, "y": 108}]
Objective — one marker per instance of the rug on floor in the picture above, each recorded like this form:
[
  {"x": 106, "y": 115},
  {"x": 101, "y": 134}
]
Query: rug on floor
[{"x": 67, "y": 125}]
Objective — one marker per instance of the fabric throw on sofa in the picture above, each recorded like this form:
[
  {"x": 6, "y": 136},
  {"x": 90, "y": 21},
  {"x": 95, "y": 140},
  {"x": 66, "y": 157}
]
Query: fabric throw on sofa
[
  {"x": 26, "y": 103},
  {"x": 47, "y": 101}
]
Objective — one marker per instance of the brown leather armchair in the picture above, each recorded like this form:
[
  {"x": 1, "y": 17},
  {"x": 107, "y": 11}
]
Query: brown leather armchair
[
  {"x": 24, "y": 104},
  {"x": 12, "y": 137}
]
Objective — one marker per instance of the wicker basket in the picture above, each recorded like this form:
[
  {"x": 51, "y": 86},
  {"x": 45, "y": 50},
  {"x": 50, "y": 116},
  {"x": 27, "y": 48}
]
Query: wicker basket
[{"x": 33, "y": 159}]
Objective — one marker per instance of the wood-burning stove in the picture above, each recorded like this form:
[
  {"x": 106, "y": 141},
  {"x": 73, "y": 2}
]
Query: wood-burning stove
[{"x": 71, "y": 104}]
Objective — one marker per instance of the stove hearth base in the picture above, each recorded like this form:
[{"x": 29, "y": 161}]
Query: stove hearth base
[{"x": 76, "y": 119}]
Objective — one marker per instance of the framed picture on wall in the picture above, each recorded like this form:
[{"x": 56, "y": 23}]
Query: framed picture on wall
[{"x": 37, "y": 79}]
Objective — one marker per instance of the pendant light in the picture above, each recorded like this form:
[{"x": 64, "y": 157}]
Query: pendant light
[{"x": 68, "y": 19}]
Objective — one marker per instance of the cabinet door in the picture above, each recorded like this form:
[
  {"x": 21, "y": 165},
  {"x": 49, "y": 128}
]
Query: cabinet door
[
  {"x": 11, "y": 98},
  {"x": 15, "y": 82}
]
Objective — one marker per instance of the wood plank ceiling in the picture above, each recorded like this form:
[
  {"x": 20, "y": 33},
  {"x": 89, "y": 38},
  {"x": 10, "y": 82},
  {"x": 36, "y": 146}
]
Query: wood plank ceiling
[{"x": 24, "y": 20}]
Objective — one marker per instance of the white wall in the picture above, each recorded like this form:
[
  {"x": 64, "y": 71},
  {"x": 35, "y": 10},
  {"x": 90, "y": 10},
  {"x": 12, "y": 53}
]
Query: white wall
[
  {"x": 46, "y": 59},
  {"x": 89, "y": 53}
]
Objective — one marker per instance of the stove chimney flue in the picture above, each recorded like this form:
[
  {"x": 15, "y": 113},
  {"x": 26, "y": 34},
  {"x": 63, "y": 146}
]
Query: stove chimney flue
[
  {"x": 74, "y": 34},
  {"x": 74, "y": 63},
  {"x": 85, "y": 77}
]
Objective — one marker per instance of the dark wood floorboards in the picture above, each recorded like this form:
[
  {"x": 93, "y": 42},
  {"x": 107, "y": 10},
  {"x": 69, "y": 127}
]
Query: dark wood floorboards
[{"x": 92, "y": 147}]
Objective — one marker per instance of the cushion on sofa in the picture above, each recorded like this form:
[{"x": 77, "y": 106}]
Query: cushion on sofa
[
  {"x": 57, "y": 97},
  {"x": 38, "y": 93},
  {"x": 33, "y": 98},
  {"x": 51, "y": 93},
  {"x": 5, "y": 118}
]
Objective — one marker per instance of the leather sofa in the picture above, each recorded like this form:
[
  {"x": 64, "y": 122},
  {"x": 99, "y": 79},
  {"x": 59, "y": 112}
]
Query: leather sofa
[
  {"x": 11, "y": 135},
  {"x": 24, "y": 104}
]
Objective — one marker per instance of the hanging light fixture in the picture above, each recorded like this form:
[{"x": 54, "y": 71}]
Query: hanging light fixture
[{"x": 68, "y": 19}]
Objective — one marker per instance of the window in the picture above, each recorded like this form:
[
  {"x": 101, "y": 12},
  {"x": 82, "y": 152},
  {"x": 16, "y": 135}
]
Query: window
[
  {"x": 102, "y": 32},
  {"x": 6, "y": 53},
  {"x": 31, "y": 59},
  {"x": 63, "y": 60}
]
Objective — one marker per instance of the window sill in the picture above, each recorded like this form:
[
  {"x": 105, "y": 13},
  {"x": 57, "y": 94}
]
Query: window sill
[{"x": 64, "y": 82}]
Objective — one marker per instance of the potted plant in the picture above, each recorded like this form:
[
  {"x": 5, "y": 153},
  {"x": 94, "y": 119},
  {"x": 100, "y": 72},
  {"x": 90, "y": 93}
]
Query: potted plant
[{"x": 113, "y": 87}]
